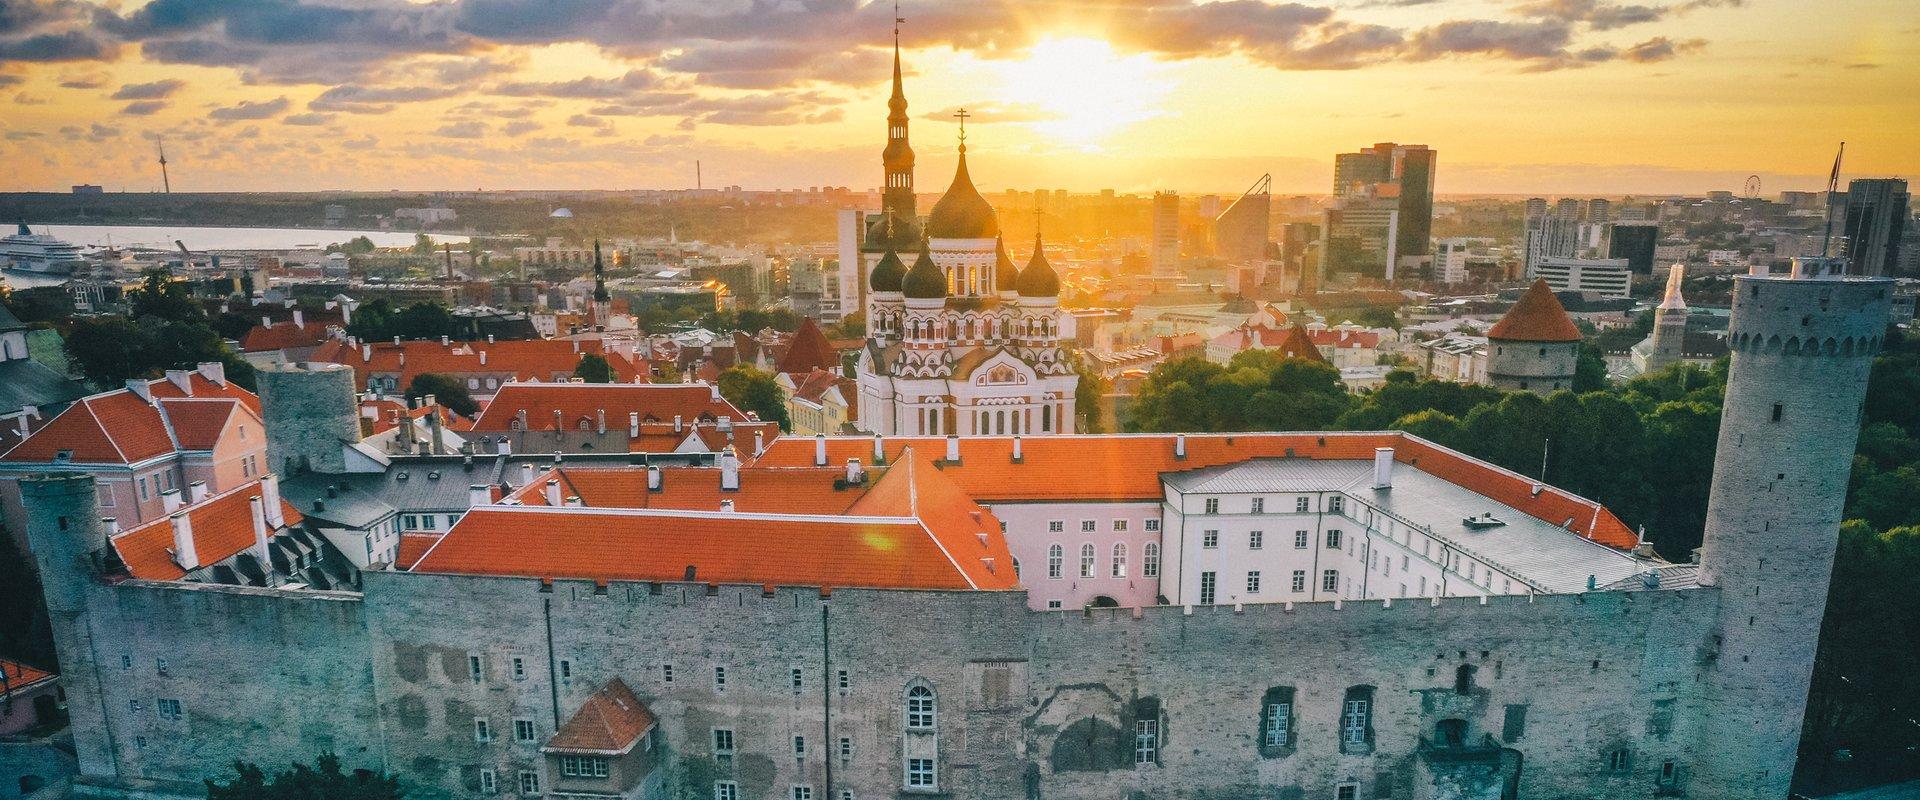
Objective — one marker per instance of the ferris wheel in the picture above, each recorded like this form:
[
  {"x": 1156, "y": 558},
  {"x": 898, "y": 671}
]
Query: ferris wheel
[{"x": 1753, "y": 186}]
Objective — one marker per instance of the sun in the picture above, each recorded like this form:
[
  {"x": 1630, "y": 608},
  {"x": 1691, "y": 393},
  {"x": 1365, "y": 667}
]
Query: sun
[{"x": 1080, "y": 91}]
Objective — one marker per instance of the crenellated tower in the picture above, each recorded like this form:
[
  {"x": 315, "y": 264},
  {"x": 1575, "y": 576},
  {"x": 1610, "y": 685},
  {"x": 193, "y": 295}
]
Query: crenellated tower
[{"x": 1802, "y": 346}]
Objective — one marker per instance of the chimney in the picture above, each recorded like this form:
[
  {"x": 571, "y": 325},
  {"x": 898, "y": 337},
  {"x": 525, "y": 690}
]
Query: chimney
[
  {"x": 257, "y": 510},
  {"x": 196, "y": 492},
  {"x": 111, "y": 525},
  {"x": 819, "y": 449},
  {"x": 522, "y": 416},
  {"x": 759, "y": 443},
  {"x": 856, "y": 474},
  {"x": 444, "y": 340},
  {"x": 170, "y": 501},
  {"x": 483, "y": 358},
  {"x": 526, "y": 473},
  {"x": 653, "y": 478},
  {"x": 633, "y": 424},
  {"x": 479, "y": 494},
  {"x": 553, "y": 491},
  {"x": 725, "y": 424},
  {"x": 270, "y": 496},
  {"x": 603, "y": 420},
  {"x": 489, "y": 341},
  {"x": 396, "y": 341},
  {"x": 573, "y": 501},
  {"x": 183, "y": 552},
  {"x": 726, "y": 506},
  {"x": 953, "y": 448},
  {"x": 676, "y": 423},
  {"x": 559, "y": 423},
  {"x": 366, "y": 353},
  {"x": 213, "y": 371},
  {"x": 139, "y": 387},
  {"x": 299, "y": 318},
  {"x": 503, "y": 447},
  {"x": 266, "y": 321},
  {"x": 1383, "y": 468},
  {"x": 879, "y": 449},
  {"x": 715, "y": 387},
  {"x": 1179, "y": 445},
  {"x": 729, "y": 471}
]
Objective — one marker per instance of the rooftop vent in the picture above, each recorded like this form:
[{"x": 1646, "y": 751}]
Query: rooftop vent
[{"x": 1482, "y": 522}]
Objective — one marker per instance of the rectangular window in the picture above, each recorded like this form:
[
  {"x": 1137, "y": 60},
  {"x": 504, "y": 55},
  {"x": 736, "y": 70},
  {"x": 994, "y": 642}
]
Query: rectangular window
[
  {"x": 519, "y": 668},
  {"x": 1150, "y": 560},
  {"x": 529, "y": 782},
  {"x": 1301, "y": 539},
  {"x": 1086, "y": 560},
  {"x": 843, "y": 681},
  {"x": 1346, "y": 791},
  {"x": 1299, "y": 580},
  {"x": 719, "y": 679},
  {"x": 1087, "y": 526},
  {"x": 1330, "y": 580},
  {"x": 1514, "y": 725},
  {"x": 1256, "y": 540},
  {"x": 1259, "y": 505},
  {"x": 666, "y": 673},
  {"x": 489, "y": 782},
  {"x": 482, "y": 730},
  {"x": 409, "y": 522},
  {"x": 799, "y": 747},
  {"x": 160, "y": 667},
  {"x": 920, "y": 773},
  {"x": 428, "y": 522},
  {"x": 726, "y": 790},
  {"x": 1209, "y": 539},
  {"x": 1213, "y": 505},
  {"x": 475, "y": 667},
  {"x": 1620, "y": 760},
  {"x": 795, "y": 680},
  {"x": 1279, "y": 721},
  {"x": 1056, "y": 525},
  {"x": 1302, "y": 504},
  {"x": 1206, "y": 588},
  {"x": 1053, "y": 604},
  {"x": 523, "y": 730},
  {"x": 169, "y": 709},
  {"x": 1333, "y": 540},
  {"x": 801, "y": 793},
  {"x": 566, "y": 670},
  {"x": 846, "y": 748},
  {"x": 723, "y": 741},
  {"x": 1146, "y": 741},
  {"x": 1253, "y": 582},
  {"x": 1120, "y": 525},
  {"x": 1355, "y": 719},
  {"x": 1336, "y": 504}
]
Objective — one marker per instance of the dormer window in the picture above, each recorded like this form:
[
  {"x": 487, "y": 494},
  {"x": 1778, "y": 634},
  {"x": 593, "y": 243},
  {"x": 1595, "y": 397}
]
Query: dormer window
[{"x": 63, "y": 455}]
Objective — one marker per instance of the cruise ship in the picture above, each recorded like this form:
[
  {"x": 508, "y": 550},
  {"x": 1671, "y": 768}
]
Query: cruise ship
[{"x": 40, "y": 253}]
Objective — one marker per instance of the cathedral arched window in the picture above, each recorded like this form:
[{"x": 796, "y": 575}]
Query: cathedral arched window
[
  {"x": 922, "y": 709},
  {"x": 1119, "y": 559},
  {"x": 1086, "y": 560},
  {"x": 1046, "y": 420}
]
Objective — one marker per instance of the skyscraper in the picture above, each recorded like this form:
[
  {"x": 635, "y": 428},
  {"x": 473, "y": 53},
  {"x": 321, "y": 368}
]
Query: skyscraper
[
  {"x": 1599, "y": 211},
  {"x": 1634, "y": 242},
  {"x": 1397, "y": 174},
  {"x": 1165, "y": 253},
  {"x": 1536, "y": 207},
  {"x": 1241, "y": 232},
  {"x": 1567, "y": 208},
  {"x": 1876, "y": 218}
]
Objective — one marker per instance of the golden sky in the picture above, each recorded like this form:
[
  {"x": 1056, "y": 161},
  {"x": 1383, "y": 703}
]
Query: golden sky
[{"x": 1518, "y": 96}]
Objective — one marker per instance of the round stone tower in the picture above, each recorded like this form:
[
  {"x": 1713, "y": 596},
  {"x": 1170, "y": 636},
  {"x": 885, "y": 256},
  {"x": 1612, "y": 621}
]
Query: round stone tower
[
  {"x": 66, "y": 535},
  {"x": 310, "y": 414},
  {"x": 1667, "y": 343},
  {"x": 1802, "y": 345},
  {"x": 1535, "y": 347}
]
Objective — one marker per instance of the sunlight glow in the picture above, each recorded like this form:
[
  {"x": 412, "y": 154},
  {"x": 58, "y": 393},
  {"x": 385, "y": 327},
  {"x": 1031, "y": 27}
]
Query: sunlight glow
[{"x": 1082, "y": 90}]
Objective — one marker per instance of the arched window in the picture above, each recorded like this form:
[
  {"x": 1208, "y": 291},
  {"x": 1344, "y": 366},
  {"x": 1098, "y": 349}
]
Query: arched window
[
  {"x": 922, "y": 710},
  {"x": 1119, "y": 559},
  {"x": 1150, "y": 561},
  {"x": 1055, "y": 555},
  {"x": 1086, "y": 560}
]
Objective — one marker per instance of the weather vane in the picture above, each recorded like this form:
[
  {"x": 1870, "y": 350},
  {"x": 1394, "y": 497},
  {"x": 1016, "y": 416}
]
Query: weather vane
[{"x": 897, "y": 20}]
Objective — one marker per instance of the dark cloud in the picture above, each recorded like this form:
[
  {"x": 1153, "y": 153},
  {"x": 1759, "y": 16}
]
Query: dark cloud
[
  {"x": 84, "y": 80},
  {"x": 11, "y": 80},
  {"x": 1599, "y": 15},
  {"x": 308, "y": 119},
  {"x": 586, "y": 121},
  {"x": 749, "y": 65},
  {"x": 1661, "y": 48},
  {"x": 628, "y": 85},
  {"x": 149, "y": 91},
  {"x": 143, "y": 108},
  {"x": 65, "y": 46},
  {"x": 1518, "y": 40},
  {"x": 248, "y": 109}
]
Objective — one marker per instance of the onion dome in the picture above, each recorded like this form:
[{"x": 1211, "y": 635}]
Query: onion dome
[
  {"x": 962, "y": 213},
  {"x": 1538, "y": 317},
  {"x": 888, "y": 273},
  {"x": 1039, "y": 279},
  {"x": 1005, "y": 275},
  {"x": 925, "y": 281}
]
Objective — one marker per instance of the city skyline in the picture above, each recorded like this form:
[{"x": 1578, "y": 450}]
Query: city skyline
[{"x": 1525, "y": 98}]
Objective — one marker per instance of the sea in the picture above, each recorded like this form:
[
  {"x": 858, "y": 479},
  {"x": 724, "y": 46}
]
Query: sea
[{"x": 199, "y": 238}]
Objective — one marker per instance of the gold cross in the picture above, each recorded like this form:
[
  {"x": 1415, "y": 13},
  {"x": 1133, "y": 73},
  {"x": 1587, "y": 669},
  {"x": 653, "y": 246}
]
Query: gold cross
[{"x": 962, "y": 114}]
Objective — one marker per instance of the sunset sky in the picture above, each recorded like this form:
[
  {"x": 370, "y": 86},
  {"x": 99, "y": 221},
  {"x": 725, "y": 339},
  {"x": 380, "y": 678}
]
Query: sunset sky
[{"x": 1519, "y": 96}]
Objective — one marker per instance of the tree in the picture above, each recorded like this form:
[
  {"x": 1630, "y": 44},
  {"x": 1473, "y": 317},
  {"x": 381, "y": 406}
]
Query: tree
[
  {"x": 159, "y": 295},
  {"x": 233, "y": 325},
  {"x": 851, "y": 326},
  {"x": 1088, "y": 396},
  {"x": 372, "y": 320},
  {"x": 422, "y": 244},
  {"x": 325, "y": 780},
  {"x": 41, "y": 304},
  {"x": 108, "y": 350},
  {"x": 1590, "y": 370},
  {"x": 423, "y": 321},
  {"x": 446, "y": 390},
  {"x": 753, "y": 390},
  {"x": 593, "y": 368},
  {"x": 358, "y": 245}
]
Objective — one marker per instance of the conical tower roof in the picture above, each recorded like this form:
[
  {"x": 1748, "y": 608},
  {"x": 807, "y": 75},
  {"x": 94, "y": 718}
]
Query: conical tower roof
[
  {"x": 1039, "y": 279},
  {"x": 808, "y": 351},
  {"x": 1299, "y": 344},
  {"x": 962, "y": 213},
  {"x": 888, "y": 273},
  {"x": 1673, "y": 300},
  {"x": 925, "y": 281},
  {"x": 1538, "y": 317}
]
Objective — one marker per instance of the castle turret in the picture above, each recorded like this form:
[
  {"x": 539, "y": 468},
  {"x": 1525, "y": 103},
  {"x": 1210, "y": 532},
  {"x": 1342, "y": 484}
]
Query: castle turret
[
  {"x": 1535, "y": 347},
  {"x": 1802, "y": 345},
  {"x": 310, "y": 415},
  {"x": 1667, "y": 344},
  {"x": 67, "y": 537}
]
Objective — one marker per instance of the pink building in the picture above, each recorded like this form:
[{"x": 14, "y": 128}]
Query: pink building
[{"x": 28, "y": 697}]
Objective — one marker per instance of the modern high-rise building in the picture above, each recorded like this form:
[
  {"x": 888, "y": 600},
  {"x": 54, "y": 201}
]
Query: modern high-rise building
[
  {"x": 1876, "y": 218},
  {"x": 1241, "y": 232},
  {"x": 1399, "y": 175},
  {"x": 1164, "y": 255},
  {"x": 1599, "y": 211},
  {"x": 1536, "y": 207},
  {"x": 1551, "y": 235},
  {"x": 1634, "y": 242},
  {"x": 1568, "y": 208}
]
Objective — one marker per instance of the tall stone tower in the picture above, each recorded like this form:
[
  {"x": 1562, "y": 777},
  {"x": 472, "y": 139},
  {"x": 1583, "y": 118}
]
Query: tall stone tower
[
  {"x": 1668, "y": 342},
  {"x": 66, "y": 535},
  {"x": 310, "y": 414},
  {"x": 1535, "y": 347},
  {"x": 1802, "y": 345}
]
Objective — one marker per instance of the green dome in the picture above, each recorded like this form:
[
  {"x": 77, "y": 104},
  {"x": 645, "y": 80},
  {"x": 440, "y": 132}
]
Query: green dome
[
  {"x": 962, "y": 213},
  {"x": 1039, "y": 279},
  {"x": 1006, "y": 276},
  {"x": 925, "y": 281},
  {"x": 887, "y": 274}
]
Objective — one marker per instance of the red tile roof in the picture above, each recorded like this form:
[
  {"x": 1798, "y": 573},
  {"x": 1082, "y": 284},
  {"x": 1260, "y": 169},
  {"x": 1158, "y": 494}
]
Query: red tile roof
[
  {"x": 283, "y": 335},
  {"x": 412, "y": 547},
  {"x": 119, "y": 427},
  {"x": 911, "y": 529},
  {"x": 1538, "y": 317},
  {"x": 1293, "y": 342},
  {"x": 584, "y": 401},
  {"x": 1128, "y": 468},
  {"x": 788, "y": 490},
  {"x": 222, "y": 527},
  {"x": 610, "y": 722},
  {"x": 808, "y": 350},
  {"x": 534, "y": 359},
  {"x": 1344, "y": 339},
  {"x": 16, "y": 678}
]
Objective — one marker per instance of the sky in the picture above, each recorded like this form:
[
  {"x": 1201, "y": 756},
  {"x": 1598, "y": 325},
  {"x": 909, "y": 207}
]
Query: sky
[{"x": 1518, "y": 96}]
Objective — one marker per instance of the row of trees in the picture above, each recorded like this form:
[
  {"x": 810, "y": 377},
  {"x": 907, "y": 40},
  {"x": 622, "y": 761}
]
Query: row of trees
[
  {"x": 378, "y": 320},
  {"x": 165, "y": 329}
]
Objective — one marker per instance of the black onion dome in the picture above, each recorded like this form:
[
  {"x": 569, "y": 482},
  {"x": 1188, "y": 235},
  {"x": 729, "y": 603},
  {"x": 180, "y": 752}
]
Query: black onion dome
[
  {"x": 888, "y": 273},
  {"x": 1006, "y": 276},
  {"x": 962, "y": 213},
  {"x": 1039, "y": 279},
  {"x": 925, "y": 281}
]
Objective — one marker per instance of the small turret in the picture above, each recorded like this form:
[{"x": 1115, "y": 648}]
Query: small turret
[
  {"x": 887, "y": 274},
  {"x": 1006, "y": 276},
  {"x": 925, "y": 281},
  {"x": 1039, "y": 279}
]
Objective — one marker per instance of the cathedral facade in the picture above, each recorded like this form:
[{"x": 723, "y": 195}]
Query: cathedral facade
[{"x": 960, "y": 340}]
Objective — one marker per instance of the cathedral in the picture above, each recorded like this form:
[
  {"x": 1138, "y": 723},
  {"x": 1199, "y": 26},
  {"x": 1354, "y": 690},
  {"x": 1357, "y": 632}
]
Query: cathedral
[{"x": 960, "y": 340}]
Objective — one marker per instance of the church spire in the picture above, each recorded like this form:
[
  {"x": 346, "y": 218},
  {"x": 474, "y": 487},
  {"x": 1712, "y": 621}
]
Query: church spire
[
  {"x": 599, "y": 275},
  {"x": 897, "y": 198}
]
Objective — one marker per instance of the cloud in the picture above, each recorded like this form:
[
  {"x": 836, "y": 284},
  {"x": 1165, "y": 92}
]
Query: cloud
[
  {"x": 627, "y": 85},
  {"x": 471, "y": 129},
  {"x": 1599, "y": 15},
  {"x": 308, "y": 119},
  {"x": 356, "y": 99},
  {"x": 11, "y": 80},
  {"x": 1660, "y": 48},
  {"x": 1518, "y": 40},
  {"x": 83, "y": 80},
  {"x": 585, "y": 121},
  {"x": 520, "y": 127},
  {"x": 143, "y": 108},
  {"x": 25, "y": 99},
  {"x": 248, "y": 109},
  {"x": 995, "y": 112},
  {"x": 752, "y": 65},
  {"x": 66, "y": 46},
  {"x": 149, "y": 91}
]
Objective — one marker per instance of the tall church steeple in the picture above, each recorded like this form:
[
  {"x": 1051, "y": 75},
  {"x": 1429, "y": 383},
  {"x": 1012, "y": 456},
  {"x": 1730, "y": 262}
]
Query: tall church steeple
[
  {"x": 602, "y": 299},
  {"x": 897, "y": 199}
]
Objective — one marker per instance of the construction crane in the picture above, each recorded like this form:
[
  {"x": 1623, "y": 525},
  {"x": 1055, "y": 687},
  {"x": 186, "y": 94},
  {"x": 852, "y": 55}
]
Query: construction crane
[{"x": 165, "y": 184}]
